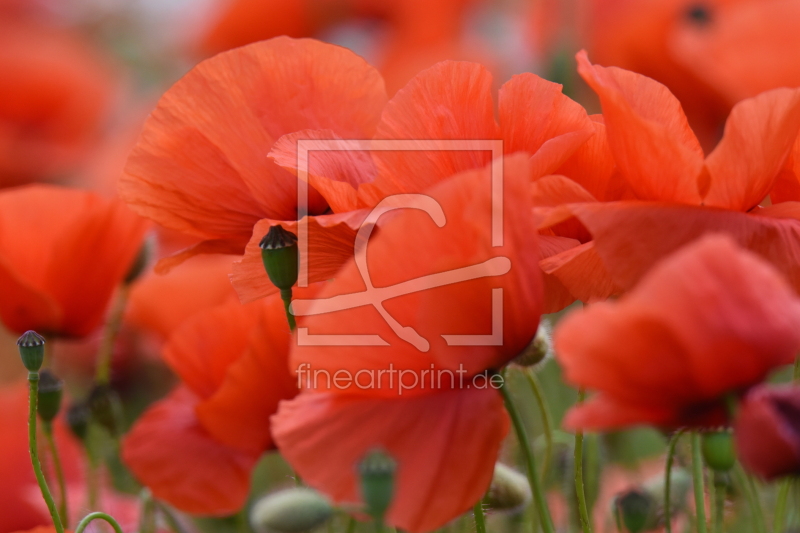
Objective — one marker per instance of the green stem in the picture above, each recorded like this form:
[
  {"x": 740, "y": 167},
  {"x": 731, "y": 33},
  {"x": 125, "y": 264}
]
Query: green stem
[
  {"x": 580, "y": 490},
  {"x": 62, "y": 485},
  {"x": 351, "y": 525},
  {"x": 97, "y": 516},
  {"x": 748, "y": 489},
  {"x": 668, "y": 479},
  {"x": 719, "y": 503},
  {"x": 104, "y": 354},
  {"x": 547, "y": 420},
  {"x": 286, "y": 296},
  {"x": 169, "y": 517},
  {"x": 533, "y": 477},
  {"x": 699, "y": 490},
  {"x": 33, "y": 400},
  {"x": 147, "y": 513},
  {"x": 480, "y": 520},
  {"x": 780, "y": 507}
]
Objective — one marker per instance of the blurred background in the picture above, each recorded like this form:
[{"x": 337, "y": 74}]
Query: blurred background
[{"x": 78, "y": 78}]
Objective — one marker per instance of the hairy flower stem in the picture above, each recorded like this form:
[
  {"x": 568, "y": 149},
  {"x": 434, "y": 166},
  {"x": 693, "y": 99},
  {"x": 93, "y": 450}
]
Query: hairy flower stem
[
  {"x": 699, "y": 486},
  {"x": 33, "y": 400},
  {"x": 750, "y": 493},
  {"x": 480, "y": 520},
  {"x": 286, "y": 296},
  {"x": 112, "y": 327},
  {"x": 673, "y": 442},
  {"x": 97, "y": 516},
  {"x": 47, "y": 428},
  {"x": 547, "y": 419},
  {"x": 719, "y": 503},
  {"x": 580, "y": 490},
  {"x": 533, "y": 478}
]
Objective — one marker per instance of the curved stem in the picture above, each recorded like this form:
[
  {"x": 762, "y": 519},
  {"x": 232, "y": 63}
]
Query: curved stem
[
  {"x": 699, "y": 490},
  {"x": 673, "y": 442},
  {"x": 103, "y": 370},
  {"x": 286, "y": 296},
  {"x": 480, "y": 520},
  {"x": 752, "y": 498},
  {"x": 547, "y": 420},
  {"x": 580, "y": 490},
  {"x": 533, "y": 477},
  {"x": 33, "y": 400},
  {"x": 62, "y": 485},
  {"x": 97, "y": 516}
]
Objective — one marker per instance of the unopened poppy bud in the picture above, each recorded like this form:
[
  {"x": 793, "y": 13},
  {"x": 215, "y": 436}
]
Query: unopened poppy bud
[
  {"x": 140, "y": 262},
  {"x": 718, "y": 450},
  {"x": 103, "y": 404},
  {"x": 281, "y": 257},
  {"x": 642, "y": 508},
  {"x": 377, "y": 471},
  {"x": 767, "y": 431},
  {"x": 635, "y": 511},
  {"x": 540, "y": 348},
  {"x": 509, "y": 491},
  {"x": 31, "y": 350},
  {"x": 50, "y": 393},
  {"x": 291, "y": 511},
  {"x": 78, "y": 416}
]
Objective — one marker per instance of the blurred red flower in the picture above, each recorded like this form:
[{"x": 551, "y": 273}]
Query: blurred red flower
[
  {"x": 55, "y": 95},
  {"x": 233, "y": 364},
  {"x": 444, "y": 433},
  {"x": 706, "y": 323},
  {"x": 62, "y": 254},
  {"x": 767, "y": 431},
  {"x": 680, "y": 193}
]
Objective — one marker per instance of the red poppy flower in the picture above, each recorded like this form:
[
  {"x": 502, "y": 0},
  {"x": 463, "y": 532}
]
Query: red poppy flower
[
  {"x": 682, "y": 194},
  {"x": 199, "y": 166},
  {"x": 706, "y": 323},
  {"x": 232, "y": 362},
  {"x": 451, "y": 100},
  {"x": 767, "y": 431},
  {"x": 443, "y": 431},
  {"x": 62, "y": 254},
  {"x": 55, "y": 94}
]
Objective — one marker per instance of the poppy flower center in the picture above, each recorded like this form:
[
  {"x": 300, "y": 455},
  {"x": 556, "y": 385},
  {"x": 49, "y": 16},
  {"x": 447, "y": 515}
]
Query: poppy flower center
[{"x": 699, "y": 14}]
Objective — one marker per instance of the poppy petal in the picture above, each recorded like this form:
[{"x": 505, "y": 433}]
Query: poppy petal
[
  {"x": 653, "y": 145},
  {"x": 204, "y": 346},
  {"x": 200, "y": 165},
  {"x": 450, "y": 100},
  {"x": 536, "y": 117},
  {"x": 581, "y": 271},
  {"x": 194, "y": 472},
  {"x": 759, "y": 134},
  {"x": 238, "y": 412},
  {"x": 335, "y": 174},
  {"x": 654, "y": 231},
  {"x": 445, "y": 445}
]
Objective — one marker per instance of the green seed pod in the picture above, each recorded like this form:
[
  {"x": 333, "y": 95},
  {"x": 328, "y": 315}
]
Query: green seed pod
[
  {"x": 281, "y": 257},
  {"x": 718, "y": 450},
  {"x": 290, "y": 511},
  {"x": 509, "y": 491},
  {"x": 50, "y": 393},
  {"x": 78, "y": 416},
  {"x": 377, "y": 471},
  {"x": 31, "y": 350},
  {"x": 104, "y": 404},
  {"x": 540, "y": 348}
]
